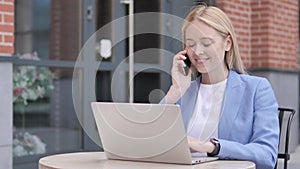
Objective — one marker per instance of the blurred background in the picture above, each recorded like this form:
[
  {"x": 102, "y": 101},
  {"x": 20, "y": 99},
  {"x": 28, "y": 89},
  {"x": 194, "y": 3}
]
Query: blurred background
[{"x": 40, "y": 41}]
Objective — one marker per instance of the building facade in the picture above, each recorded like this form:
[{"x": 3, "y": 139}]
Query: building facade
[
  {"x": 7, "y": 49},
  {"x": 268, "y": 35}
]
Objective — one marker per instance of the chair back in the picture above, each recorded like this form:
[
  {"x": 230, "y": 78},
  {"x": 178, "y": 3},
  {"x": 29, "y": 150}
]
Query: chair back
[{"x": 285, "y": 120}]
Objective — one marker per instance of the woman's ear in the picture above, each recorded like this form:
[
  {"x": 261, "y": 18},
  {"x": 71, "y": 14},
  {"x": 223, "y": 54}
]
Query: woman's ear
[{"x": 228, "y": 43}]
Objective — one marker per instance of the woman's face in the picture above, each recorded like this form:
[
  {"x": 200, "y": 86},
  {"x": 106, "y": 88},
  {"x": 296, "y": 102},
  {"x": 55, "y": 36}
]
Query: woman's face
[{"x": 206, "y": 47}]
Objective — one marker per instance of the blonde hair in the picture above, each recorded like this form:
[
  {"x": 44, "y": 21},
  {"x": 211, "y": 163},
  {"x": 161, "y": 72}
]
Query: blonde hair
[{"x": 217, "y": 19}]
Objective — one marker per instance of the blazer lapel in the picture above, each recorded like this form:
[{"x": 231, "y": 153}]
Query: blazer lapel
[
  {"x": 189, "y": 101},
  {"x": 231, "y": 103}
]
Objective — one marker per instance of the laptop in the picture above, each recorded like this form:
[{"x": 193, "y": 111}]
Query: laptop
[{"x": 144, "y": 132}]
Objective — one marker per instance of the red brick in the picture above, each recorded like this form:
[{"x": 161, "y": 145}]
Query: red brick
[
  {"x": 7, "y": 49},
  {"x": 7, "y": 28},
  {"x": 9, "y": 39},
  {"x": 6, "y": 8},
  {"x": 9, "y": 18},
  {"x": 269, "y": 43}
]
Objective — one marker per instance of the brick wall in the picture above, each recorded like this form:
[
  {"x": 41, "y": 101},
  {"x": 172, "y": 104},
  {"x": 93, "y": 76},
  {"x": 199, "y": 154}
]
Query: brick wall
[
  {"x": 6, "y": 27},
  {"x": 239, "y": 13},
  {"x": 267, "y": 31}
]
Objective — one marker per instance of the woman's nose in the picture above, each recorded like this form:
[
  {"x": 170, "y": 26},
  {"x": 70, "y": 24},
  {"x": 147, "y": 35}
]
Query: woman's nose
[{"x": 199, "y": 49}]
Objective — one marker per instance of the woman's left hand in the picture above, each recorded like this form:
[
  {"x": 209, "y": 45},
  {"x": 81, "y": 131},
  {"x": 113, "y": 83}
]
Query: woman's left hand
[{"x": 198, "y": 146}]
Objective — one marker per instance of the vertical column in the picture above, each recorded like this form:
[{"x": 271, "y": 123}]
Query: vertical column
[
  {"x": 6, "y": 116},
  {"x": 131, "y": 46},
  {"x": 7, "y": 49}
]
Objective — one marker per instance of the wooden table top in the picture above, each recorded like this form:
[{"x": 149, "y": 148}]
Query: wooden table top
[{"x": 98, "y": 160}]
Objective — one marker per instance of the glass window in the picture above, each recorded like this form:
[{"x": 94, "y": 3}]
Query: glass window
[
  {"x": 145, "y": 41},
  {"x": 32, "y": 26},
  {"x": 44, "y": 118},
  {"x": 49, "y": 27}
]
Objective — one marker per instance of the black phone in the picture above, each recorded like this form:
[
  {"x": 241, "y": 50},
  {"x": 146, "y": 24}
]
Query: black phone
[{"x": 188, "y": 63}]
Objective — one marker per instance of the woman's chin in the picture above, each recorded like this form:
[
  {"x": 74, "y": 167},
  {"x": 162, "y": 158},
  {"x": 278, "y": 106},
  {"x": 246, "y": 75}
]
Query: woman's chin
[{"x": 201, "y": 70}]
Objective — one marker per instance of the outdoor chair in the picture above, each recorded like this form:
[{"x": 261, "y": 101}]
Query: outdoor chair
[{"x": 285, "y": 125}]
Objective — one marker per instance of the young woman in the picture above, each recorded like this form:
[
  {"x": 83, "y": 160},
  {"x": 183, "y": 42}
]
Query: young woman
[{"x": 226, "y": 112}]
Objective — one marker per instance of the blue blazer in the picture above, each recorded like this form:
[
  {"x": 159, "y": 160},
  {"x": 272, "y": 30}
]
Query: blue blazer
[{"x": 248, "y": 126}]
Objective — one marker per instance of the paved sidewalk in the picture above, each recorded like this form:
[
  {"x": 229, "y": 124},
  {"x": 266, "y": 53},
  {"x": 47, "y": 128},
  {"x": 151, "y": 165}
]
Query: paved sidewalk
[{"x": 294, "y": 163}]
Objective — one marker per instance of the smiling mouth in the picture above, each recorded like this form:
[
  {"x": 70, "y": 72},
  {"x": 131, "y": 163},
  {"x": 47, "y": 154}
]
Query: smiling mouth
[{"x": 201, "y": 60}]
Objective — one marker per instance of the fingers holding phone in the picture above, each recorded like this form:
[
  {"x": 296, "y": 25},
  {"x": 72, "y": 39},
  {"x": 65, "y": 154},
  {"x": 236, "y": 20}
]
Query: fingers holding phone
[
  {"x": 181, "y": 63},
  {"x": 181, "y": 77}
]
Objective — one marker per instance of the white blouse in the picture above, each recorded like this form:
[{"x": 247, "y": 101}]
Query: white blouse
[{"x": 206, "y": 116}]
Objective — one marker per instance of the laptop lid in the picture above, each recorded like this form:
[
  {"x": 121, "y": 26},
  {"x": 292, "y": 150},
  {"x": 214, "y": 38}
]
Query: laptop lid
[{"x": 142, "y": 132}]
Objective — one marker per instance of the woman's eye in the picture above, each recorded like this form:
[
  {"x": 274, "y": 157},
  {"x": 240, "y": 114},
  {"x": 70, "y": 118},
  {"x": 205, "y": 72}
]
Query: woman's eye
[
  {"x": 206, "y": 43},
  {"x": 190, "y": 45}
]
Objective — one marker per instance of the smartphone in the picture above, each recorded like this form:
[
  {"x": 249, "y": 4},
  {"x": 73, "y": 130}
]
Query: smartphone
[{"x": 188, "y": 63}]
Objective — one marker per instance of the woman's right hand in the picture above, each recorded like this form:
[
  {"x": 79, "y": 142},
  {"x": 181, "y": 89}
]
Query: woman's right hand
[{"x": 180, "y": 82}]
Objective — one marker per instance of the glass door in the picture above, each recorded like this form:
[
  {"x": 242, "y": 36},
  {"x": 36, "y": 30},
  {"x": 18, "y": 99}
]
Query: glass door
[
  {"x": 114, "y": 70},
  {"x": 107, "y": 34}
]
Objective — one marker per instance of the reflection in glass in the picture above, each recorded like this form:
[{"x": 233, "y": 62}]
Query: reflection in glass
[
  {"x": 51, "y": 28},
  {"x": 31, "y": 83},
  {"x": 44, "y": 118},
  {"x": 45, "y": 123},
  {"x": 32, "y": 27}
]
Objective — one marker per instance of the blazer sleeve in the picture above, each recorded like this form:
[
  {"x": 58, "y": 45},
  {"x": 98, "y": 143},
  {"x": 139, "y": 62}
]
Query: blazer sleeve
[
  {"x": 163, "y": 101},
  {"x": 262, "y": 148}
]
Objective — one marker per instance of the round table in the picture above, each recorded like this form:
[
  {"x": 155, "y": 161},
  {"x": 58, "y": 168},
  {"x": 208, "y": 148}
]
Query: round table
[{"x": 98, "y": 160}]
